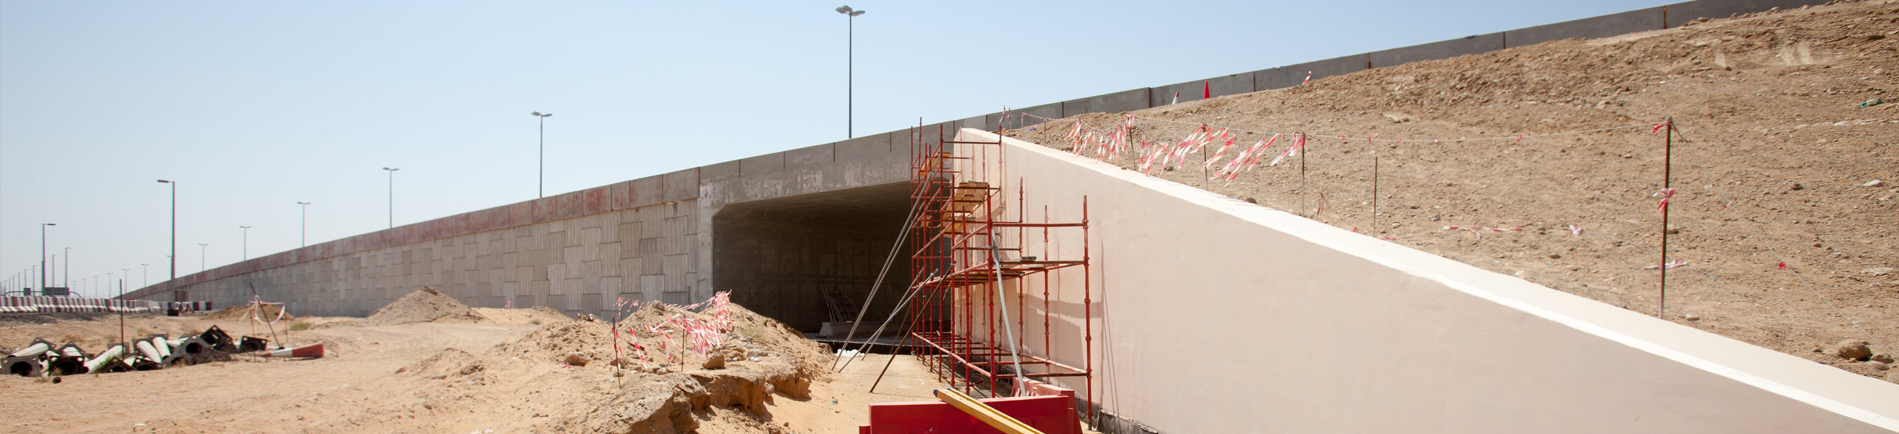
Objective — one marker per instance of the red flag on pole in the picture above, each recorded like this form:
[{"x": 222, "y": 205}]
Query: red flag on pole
[{"x": 1206, "y": 90}]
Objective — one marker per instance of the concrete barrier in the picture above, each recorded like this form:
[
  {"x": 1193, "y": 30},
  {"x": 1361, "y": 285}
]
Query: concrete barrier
[
  {"x": 1292, "y": 75},
  {"x": 1639, "y": 20},
  {"x": 1215, "y": 315},
  {"x": 1234, "y": 84},
  {"x": 1015, "y": 119},
  {"x": 1127, "y": 100},
  {"x": 1682, "y": 13},
  {"x": 1436, "y": 50}
]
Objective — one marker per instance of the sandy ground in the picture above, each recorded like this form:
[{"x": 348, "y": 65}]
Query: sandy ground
[
  {"x": 357, "y": 387},
  {"x": 1776, "y": 162}
]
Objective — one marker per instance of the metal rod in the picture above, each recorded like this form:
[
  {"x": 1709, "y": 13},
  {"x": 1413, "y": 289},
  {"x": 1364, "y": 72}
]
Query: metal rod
[{"x": 1668, "y": 159}]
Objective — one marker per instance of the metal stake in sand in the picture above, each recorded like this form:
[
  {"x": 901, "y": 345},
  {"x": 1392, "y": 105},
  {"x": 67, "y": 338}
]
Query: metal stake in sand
[
  {"x": 1302, "y": 172},
  {"x": 1668, "y": 160}
]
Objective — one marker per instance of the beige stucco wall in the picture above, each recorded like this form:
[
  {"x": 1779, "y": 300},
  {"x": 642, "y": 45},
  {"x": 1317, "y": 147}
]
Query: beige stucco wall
[{"x": 1214, "y": 315}]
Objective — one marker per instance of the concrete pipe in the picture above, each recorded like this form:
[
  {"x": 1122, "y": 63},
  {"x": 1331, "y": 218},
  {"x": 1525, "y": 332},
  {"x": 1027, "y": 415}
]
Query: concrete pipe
[
  {"x": 69, "y": 359},
  {"x": 143, "y": 364},
  {"x": 100, "y": 362},
  {"x": 160, "y": 343},
  {"x": 38, "y": 347},
  {"x": 146, "y": 349},
  {"x": 191, "y": 346},
  {"x": 24, "y": 366}
]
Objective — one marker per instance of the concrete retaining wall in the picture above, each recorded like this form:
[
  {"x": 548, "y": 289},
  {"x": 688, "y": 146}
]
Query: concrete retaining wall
[
  {"x": 1640, "y": 20},
  {"x": 1436, "y": 50},
  {"x": 1214, "y": 315}
]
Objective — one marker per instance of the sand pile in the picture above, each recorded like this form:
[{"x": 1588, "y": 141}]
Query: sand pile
[
  {"x": 241, "y": 313},
  {"x": 758, "y": 359},
  {"x": 536, "y": 315},
  {"x": 423, "y": 305}
]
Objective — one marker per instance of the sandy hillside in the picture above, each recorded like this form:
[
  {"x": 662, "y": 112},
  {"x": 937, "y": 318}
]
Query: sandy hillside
[{"x": 1776, "y": 161}]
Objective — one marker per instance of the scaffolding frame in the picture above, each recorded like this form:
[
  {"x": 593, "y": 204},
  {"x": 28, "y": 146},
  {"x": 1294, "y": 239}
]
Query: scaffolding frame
[{"x": 960, "y": 241}]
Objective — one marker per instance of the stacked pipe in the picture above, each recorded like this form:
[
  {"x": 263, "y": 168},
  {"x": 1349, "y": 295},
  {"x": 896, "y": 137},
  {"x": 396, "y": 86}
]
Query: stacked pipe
[{"x": 42, "y": 358}]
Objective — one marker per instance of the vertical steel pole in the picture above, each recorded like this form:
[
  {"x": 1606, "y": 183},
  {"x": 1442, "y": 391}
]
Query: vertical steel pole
[{"x": 1668, "y": 160}]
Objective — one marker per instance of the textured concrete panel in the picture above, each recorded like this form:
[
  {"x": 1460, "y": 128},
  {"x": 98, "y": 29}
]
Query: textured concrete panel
[
  {"x": 1194, "y": 90},
  {"x": 1640, "y": 20},
  {"x": 762, "y": 164},
  {"x": 1123, "y": 101},
  {"x": 1015, "y": 117},
  {"x": 1293, "y": 75},
  {"x": 719, "y": 171},
  {"x": 593, "y": 201},
  {"x": 647, "y": 191},
  {"x": 978, "y": 122},
  {"x": 1682, "y": 13},
  {"x": 680, "y": 185},
  {"x": 869, "y": 147},
  {"x": 809, "y": 156},
  {"x": 1437, "y": 50}
]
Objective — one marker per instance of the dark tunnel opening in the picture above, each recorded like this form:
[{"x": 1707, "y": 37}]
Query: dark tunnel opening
[{"x": 779, "y": 257}]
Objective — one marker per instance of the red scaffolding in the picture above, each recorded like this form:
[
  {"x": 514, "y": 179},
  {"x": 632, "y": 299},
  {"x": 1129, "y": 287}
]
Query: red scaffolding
[{"x": 969, "y": 256}]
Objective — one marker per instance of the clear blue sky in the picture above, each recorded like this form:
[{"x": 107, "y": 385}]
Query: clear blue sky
[{"x": 254, "y": 106}]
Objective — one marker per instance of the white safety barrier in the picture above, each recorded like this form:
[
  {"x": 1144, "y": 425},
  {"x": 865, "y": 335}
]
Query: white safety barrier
[{"x": 45, "y": 304}]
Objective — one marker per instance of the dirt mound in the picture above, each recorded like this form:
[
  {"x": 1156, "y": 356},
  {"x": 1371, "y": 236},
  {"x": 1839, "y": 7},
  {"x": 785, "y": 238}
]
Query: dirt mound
[
  {"x": 1783, "y": 157},
  {"x": 536, "y": 315},
  {"x": 423, "y": 305},
  {"x": 757, "y": 359},
  {"x": 243, "y": 313}
]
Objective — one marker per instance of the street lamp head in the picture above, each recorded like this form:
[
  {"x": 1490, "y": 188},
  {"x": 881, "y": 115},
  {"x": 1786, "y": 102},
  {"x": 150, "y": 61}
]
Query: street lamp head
[
  {"x": 161, "y": 181},
  {"x": 391, "y": 170},
  {"x": 845, "y": 9},
  {"x": 52, "y": 224},
  {"x": 857, "y": 13},
  {"x": 302, "y": 203},
  {"x": 245, "y": 227}
]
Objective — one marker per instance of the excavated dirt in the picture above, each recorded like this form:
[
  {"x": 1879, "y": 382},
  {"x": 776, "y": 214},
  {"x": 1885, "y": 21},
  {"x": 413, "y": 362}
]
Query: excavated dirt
[
  {"x": 433, "y": 377},
  {"x": 1777, "y": 161},
  {"x": 671, "y": 393},
  {"x": 424, "y": 305}
]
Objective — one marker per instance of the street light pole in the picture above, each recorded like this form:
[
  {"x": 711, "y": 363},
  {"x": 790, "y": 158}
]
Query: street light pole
[
  {"x": 306, "y": 223},
  {"x": 850, "y": 52},
  {"x": 43, "y": 256},
  {"x": 392, "y": 196},
  {"x": 543, "y": 183},
  {"x": 247, "y": 242},
  {"x": 201, "y": 247},
  {"x": 171, "y": 285},
  {"x": 69, "y": 268},
  {"x": 148, "y": 274}
]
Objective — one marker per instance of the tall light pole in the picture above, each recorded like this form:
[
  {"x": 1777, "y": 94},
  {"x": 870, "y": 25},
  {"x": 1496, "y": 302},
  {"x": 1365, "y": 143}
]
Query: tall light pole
[
  {"x": 850, "y": 40},
  {"x": 56, "y": 262},
  {"x": 201, "y": 247},
  {"x": 108, "y": 282},
  {"x": 171, "y": 285},
  {"x": 392, "y": 196},
  {"x": 128, "y": 275},
  {"x": 543, "y": 183},
  {"x": 247, "y": 242},
  {"x": 306, "y": 222},
  {"x": 148, "y": 274},
  {"x": 69, "y": 268},
  {"x": 43, "y": 255}
]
